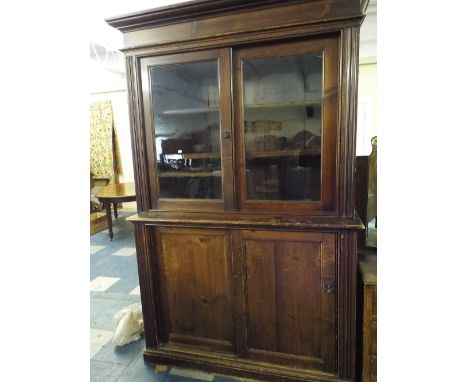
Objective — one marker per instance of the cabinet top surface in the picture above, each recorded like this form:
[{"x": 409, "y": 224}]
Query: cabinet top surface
[{"x": 189, "y": 10}]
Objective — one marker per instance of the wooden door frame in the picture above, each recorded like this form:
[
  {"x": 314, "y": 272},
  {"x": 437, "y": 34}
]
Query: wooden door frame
[
  {"x": 222, "y": 56},
  {"x": 330, "y": 46}
]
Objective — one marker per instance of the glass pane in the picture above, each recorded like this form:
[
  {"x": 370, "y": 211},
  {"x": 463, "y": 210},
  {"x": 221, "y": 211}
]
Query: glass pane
[
  {"x": 283, "y": 127},
  {"x": 186, "y": 117}
]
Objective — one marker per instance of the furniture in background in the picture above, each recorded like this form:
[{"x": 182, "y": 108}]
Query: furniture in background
[
  {"x": 96, "y": 183},
  {"x": 361, "y": 194},
  {"x": 372, "y": 204},
  {"x": 365, "y": 191},
  {"x": 114, "y": 194},
  {"x": 243, "y": 121},
  {"x": 367, "y": 319}
]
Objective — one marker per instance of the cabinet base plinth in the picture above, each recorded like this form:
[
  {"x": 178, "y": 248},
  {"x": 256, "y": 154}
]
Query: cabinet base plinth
[{"x": 231, "y": 365}]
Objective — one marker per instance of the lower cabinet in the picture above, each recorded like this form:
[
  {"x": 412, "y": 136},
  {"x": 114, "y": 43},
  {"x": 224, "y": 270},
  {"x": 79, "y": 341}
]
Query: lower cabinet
[
  {"x": 367, "y": 319},
  {"x": 196, "y": 287},
  {"x": 264, "y": 297},
  {"x": 287, "y": 297}
]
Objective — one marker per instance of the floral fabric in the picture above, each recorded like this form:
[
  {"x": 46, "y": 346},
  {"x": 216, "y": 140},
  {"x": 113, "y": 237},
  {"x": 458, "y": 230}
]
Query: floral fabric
[{"x": 104, "y": 155}]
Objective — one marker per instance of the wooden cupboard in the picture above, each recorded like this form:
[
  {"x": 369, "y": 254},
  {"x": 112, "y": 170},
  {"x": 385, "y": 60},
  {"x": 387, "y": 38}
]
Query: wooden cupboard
[
  {"x": 367, "y": 318},
  {"x": 243, "y": 127}
]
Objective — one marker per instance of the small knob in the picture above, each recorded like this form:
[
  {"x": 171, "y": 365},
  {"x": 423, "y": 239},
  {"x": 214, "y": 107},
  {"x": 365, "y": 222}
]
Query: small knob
[
  {"x": 227, "y": 134},
  {"x": 329, "y": 287}
]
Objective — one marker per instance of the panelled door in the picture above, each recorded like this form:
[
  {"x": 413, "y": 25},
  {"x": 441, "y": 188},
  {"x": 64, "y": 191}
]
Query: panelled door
[
  {"x": 285, "y": 294},
  {"x": 195, "y": 288}
]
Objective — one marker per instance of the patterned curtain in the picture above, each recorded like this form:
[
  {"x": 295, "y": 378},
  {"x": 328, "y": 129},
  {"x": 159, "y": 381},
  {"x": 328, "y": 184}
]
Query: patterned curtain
[{"x": 105, "y": 155}]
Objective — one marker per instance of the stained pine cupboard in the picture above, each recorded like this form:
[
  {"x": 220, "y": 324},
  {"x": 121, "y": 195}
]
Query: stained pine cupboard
[{"x": 243, "y": 126}]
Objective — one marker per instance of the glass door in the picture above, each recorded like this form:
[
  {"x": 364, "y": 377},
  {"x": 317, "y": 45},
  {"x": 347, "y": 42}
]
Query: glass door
[
  {"x": 286, "y": 100},
  {"x": 186, "y": 110}
]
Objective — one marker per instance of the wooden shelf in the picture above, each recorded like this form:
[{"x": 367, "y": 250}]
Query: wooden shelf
[
  {"x": 201, "y": 110},
  {"x": 193, "y": 155},
  {"x": 282, "y": 153},
  {"x": 198, "y": 110},
  {"x": 284, "y": 104},
  {"x": 192, "y": 174}
]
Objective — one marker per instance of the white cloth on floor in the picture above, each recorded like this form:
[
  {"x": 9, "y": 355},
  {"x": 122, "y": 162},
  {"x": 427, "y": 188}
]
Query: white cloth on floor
[{"x": 128, "y": 325}]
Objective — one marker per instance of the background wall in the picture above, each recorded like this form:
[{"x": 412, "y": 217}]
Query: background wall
[{"x": 367, "y": 105}]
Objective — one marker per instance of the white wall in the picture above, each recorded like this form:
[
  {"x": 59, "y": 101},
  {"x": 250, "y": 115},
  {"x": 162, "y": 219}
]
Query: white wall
[
  {"x": 367, "y": 88},
  {"x": 367, "y": 106}
]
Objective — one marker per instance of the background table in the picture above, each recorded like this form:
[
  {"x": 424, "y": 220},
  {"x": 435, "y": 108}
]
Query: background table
[{"x": 115, "y": 193}]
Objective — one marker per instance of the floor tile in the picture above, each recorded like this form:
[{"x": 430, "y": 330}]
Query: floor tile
[
  {"x": 121, "y": 355},
  {"x": 103, "y": 264},
  {"x": 189, "y": 373},
  {"x": 101, "y": 283},
  {"x": 136, "y": 291},
  {"x": 102, "y": 317},
  {"x": 115, "y": 297},
  {"x": 177, "y": 378},
  {"x": 138, "y": 371},
  {"x": 125, "y": 285},
  {"x": 105, "y": 372},
  {"x": 125, "y": 251},
  {"x": 99, "y": 338},
  {"x": 96, "y": 248}
]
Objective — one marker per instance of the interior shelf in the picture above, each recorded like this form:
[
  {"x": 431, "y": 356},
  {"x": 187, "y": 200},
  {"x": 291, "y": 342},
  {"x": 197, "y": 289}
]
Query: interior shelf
[
  {"x": 184, "y": 174},
  {"x": 192, "y": 155},
  {"x": 282, "y": 153},
  {"x": 198, "y": 110},
  {"x": 283, "y": 104}
]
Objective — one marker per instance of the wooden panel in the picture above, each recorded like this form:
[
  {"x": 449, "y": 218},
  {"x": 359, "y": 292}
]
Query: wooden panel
[
  {"x": 373, "y": 370},
  {"x": 261, "y": 294},
  {"x": 290, "y": 316},
  {"x": 373, "y": 347},
  {"x": 197, "y": 286},
  {"x": 195, "y": 10},
  {"x": 368, "y": 280},
  {"x": 299, "y": 298},
  {"x": 374, "y": 302},
  {"x": 310, "y": 12}
]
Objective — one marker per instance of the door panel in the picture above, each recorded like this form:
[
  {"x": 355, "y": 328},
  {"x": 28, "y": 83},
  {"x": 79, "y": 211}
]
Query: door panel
[
  {"x": 285, "y": 98},
  {"x": 290, "y": 300},
  {"x": 197, "y": 292},
  {"x": 186, "y": 102}
]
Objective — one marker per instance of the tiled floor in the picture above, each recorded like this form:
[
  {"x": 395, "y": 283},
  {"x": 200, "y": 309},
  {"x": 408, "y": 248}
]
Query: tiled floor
[{"x": 113, "y": 286}]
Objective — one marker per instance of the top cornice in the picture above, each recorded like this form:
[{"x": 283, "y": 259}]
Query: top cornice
[{"x": 197, "y": 9}]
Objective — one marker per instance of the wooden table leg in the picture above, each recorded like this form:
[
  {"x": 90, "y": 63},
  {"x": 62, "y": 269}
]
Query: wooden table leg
[
  {"x": 109, "y": 219},
  {"x": 115, "y": 210}
]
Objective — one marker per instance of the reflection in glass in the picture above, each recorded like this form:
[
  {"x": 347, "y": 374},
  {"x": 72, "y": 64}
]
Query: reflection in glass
[
  {"x": 283, "y": 127},
  {"x": 186, "y": 117}
]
